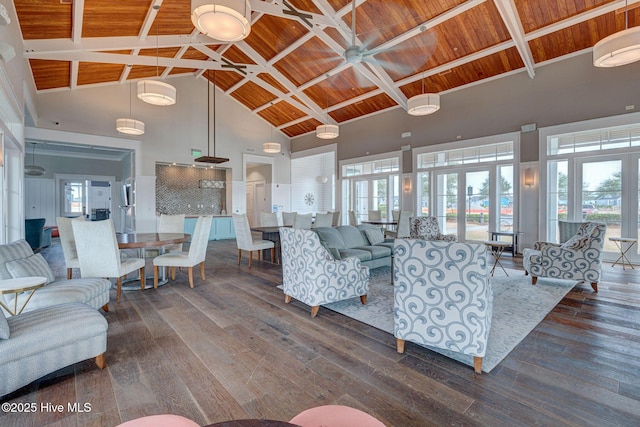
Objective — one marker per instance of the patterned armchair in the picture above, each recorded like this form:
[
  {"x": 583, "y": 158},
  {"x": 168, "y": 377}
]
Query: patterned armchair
[
  {"x": 579, "y": 258},
  {"x": 427, "y": 228},
  {"x": 311, "y": 275},
  {"x": 442, "y": 296}
]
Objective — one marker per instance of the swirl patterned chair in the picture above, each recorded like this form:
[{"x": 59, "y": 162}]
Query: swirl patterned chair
[
  {"x": 311, "y": 275},
  {"x": 579, "y": 258},
  {"x": 442, "y": 296},
  {"x": 428, "y": 228}
]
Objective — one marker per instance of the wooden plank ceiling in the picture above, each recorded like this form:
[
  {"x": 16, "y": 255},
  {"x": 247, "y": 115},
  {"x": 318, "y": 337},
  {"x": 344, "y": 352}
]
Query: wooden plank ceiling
[{"x": 291, "y": 71}]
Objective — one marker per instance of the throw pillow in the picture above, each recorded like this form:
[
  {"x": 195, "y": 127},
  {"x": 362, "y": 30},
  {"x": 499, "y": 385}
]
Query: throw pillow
[
  {"x": 4, "y": 327},
  {"x": 35, "y": 265},
  {"x": 374, "y": 235},
  {"x": 576, "y": 242}
]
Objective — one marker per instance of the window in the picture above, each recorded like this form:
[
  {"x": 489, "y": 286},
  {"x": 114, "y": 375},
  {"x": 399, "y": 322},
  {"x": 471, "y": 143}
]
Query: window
[
  {"x": 371, "y": 185},
  {"x": 469, "y": 187},
  {"x": 592, "y": 175}
]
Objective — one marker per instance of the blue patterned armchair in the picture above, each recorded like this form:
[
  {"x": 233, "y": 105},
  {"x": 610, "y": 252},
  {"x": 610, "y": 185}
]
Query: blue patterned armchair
[
  {"x": 442, "y": 296},
  {"x": 579, "y": 258},
  {"x": 311, "y": 275},
  {"x": 428, "y": 228}
]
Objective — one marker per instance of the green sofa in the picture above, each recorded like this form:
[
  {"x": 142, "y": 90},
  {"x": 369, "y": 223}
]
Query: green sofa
[{"x": 351, "y": 241}]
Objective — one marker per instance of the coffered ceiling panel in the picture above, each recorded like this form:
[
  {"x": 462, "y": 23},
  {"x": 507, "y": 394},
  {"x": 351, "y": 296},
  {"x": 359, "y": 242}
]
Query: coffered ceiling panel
[{"x": 301, "y": 65}]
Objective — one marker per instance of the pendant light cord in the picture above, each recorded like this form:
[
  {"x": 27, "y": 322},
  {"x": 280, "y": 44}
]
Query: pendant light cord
[
  {"x": 208, "y": 110},
  {"x": 214, "y": 113}
]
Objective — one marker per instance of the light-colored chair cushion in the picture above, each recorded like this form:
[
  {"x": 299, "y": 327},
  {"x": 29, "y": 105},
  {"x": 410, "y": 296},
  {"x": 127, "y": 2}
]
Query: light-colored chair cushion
[
  {"x": 288, "y": 218},
  {"x": 35, "y": 265},
  {"x": 428, "y": 228},
  {"x": 12, "y": 251},
  {"x": 374, "y": 215},
  {"x": 68, "y": 243}
]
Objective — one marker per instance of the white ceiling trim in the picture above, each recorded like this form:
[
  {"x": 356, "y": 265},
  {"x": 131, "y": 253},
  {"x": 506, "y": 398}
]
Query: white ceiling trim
[
  {"x": 511, "y": 19},
  {"x": 78, "y": 15}
]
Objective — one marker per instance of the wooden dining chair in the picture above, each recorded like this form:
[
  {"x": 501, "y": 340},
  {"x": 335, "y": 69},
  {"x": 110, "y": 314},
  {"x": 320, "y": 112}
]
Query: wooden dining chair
[
  {"x": 99, "y": 254},
  {"x": 68, "y": 244}
]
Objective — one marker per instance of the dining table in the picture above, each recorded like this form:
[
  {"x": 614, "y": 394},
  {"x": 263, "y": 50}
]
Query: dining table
[
  {"x": 142, "y": 241},
  {"x": 385, "y": 224}
]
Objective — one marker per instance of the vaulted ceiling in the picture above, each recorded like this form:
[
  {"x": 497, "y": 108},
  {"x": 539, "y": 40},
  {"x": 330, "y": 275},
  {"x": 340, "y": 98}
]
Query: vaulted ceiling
[{"x": 291, "y": 69}]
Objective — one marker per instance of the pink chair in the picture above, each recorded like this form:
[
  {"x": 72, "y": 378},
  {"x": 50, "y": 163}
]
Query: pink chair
[
  {"x": 335, "y": 416},
  {"x": 165, "y": 420}
]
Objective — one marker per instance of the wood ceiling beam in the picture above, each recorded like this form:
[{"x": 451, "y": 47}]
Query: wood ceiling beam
[
  {"x": 293, "y": 46},
  {"x": 113, "y": 43},
  {"x": 276, "y": 10},
  {"x": 511, "y": 19},
  {"x": 148, "y": 20}
]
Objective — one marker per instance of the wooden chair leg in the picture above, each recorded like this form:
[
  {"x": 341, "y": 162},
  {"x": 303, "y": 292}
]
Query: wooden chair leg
[
  {"x": 191, "y": 277},
  {"x": 143, "y": 281},
  {"x": 118, "y": 289},
  {"x": 173, "y": 273},
  {"x": 155, "y": 276},
  {"x": 477, "y": 364},
  {"x": 259, "y": 255},
  {"x": 69, "y": 273},
  {"x": 101, "y": 361},
  {"x": 594, "y": 285},
  {"x": 314, "y": 310},
  {"x": 363, "y": 299},
  {"x": 534, "y": 280},
  {"x": 250, "y": 258},
  {"x": 106, "y": 307},
  {"x": 239, "y": 255},
  {"x": 400, "y": 345},
  {"x": 202, "y": 269},
  {"x": 273, "y": 255},
  {"x": 287, "y": 299}
]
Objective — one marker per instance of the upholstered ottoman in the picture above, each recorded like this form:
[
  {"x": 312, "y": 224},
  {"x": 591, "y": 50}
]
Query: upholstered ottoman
[{"x": 41, "y": 341}]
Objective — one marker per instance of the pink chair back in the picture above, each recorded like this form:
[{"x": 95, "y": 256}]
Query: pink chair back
[{"x": 335, "y": 416}]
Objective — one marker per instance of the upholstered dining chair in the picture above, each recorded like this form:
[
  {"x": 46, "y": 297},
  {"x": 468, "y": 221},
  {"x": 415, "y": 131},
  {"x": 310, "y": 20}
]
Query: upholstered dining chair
[
  {"x": 68, "y": 243},
  {"x": 428, "y": 228},
  {"x": 337, "y": 218},
  {"x": 374, "y": 215},
  {"x": 313, "y": 276},
  {"x": 353, "y": 219},
  {"x": 194, "y": 256},
  {"x": 171, "y": 224},
  {"x": 303, "y": 221},
  {"x": 268, "y": 219},
  {"x": 579, "y": 258},
  {"x": 99, "y": 255},
  {"x": 288, "y": 218},
  {"x": 402, "y": 229},
  {"x": 245, "y": 241},
  {"x": 323, "y": 220}
]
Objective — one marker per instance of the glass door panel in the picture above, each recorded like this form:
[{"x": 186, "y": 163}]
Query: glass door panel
[
  {"x": 558, "y": 191},
  {"x": 602, "y": 197},
  {"x": 361, "y": 199},
  {"x": 505, "y": 195},
  {"x": 380, "y": 198},
  {"x": 447, "y": 202},
  {"x": 478, "y": 206},
  {"x": 423, "y": 195}
]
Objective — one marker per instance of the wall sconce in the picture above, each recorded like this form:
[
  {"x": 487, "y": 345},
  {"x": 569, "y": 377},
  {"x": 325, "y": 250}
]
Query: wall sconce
[
  {"x": 407, "y": 184},
  {"x": 528, "y": 177}
]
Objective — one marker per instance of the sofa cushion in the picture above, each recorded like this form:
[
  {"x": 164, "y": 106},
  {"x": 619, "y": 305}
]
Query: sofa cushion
[
  {"x": 330, "y": 238},
  {"x": 352, "y": 236},
  {"x": 4, "y": 327},
  {"x": 361, "y": 254},
  {"x": 374, "y": 235},
  {"x": 12, "y": 251},
  {"x": 388, "y": 243},
  {"x": 35, "y": 265},
  {"x": 376, "y": 251}
]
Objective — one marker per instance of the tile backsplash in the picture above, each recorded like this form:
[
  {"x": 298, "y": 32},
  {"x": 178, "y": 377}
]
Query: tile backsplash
[{"x": 178, "y": 190}]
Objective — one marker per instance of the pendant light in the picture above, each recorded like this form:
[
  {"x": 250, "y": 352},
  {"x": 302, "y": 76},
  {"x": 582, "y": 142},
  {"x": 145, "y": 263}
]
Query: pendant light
[
  {"x": 224, "y": 20},
  {"x": 271, "y": 147},
  {"x": 130, "y": 126},
  {"x": 620, "y": 48},
  {"x": 424, "y": 103},
  {"x": 153, "y": 91},
  {"x": 327, "y": 130},
  {"x": 208, "y": 158},
  {"x": 33, "y": 169}
]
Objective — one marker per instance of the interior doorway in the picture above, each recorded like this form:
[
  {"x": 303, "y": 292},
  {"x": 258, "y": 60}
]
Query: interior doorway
[{"x": 258, "y": 176}]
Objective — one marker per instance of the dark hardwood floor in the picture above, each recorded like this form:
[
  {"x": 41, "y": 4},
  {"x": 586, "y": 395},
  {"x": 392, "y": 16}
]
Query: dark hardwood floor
[{"x": 230, "y": 348}]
